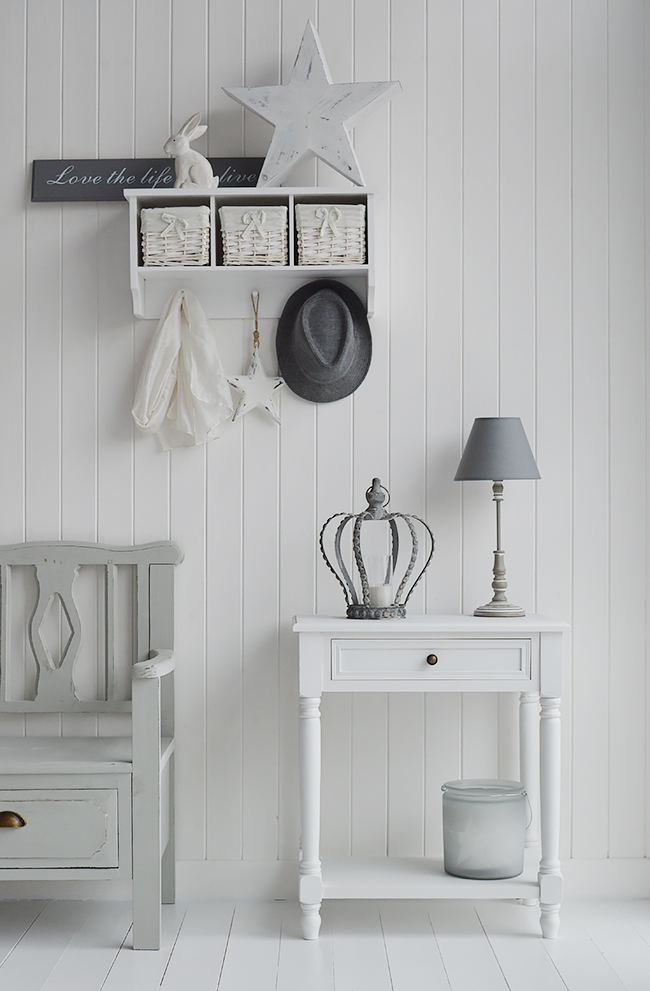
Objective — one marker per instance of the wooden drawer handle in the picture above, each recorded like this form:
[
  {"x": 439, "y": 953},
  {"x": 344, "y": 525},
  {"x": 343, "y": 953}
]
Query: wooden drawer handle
[
  {"x": 11, "y": 820},
  {"x": 432, "y": 659}
]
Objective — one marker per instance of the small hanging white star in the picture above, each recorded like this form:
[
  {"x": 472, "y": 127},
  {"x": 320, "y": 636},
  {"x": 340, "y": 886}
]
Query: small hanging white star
[
  {"x": 256, "y": 387},
  {"x": 312, "y": 114}
]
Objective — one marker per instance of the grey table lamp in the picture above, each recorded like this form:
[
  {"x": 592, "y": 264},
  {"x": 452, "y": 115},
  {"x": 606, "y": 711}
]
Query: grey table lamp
[{"x": 497, "y": 448}]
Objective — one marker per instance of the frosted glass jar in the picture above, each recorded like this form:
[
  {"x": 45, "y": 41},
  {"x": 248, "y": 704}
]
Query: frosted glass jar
[{"x": 484, "y": 827}]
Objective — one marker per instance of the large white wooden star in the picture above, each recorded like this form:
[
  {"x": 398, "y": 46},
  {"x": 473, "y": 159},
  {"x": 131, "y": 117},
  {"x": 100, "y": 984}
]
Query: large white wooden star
[
  {"x": 312, "y": 115},
  {"x": 257, "y": 389}
]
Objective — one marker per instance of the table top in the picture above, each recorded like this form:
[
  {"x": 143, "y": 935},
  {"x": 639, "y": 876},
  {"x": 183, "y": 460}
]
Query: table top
[{"x": 429, "y": 624}]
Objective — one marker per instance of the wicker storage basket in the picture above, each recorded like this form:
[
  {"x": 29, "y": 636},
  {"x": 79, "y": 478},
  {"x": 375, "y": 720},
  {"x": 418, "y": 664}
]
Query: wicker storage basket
[
  {"x": 254, "y": 235},
  {"x": 331, "y": 234},
  {"x": 175, "y": 235}
]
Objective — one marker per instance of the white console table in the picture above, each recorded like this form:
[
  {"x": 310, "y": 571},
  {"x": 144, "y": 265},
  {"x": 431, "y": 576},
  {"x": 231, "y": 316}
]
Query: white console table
[{"x": 435, "y": 654}]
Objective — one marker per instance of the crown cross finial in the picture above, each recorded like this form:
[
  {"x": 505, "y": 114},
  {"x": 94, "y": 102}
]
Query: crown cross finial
[{"x": 376, "y": 496}]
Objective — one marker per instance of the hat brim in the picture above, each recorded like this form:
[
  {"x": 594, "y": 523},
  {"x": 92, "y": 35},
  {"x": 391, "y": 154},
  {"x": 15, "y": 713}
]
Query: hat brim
[{"x": 339, "y": 386}]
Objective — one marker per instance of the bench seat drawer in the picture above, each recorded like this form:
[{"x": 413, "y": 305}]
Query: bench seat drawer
[
  {"x": 63, "y": 828},
  {"x": 455, "y": 660}
]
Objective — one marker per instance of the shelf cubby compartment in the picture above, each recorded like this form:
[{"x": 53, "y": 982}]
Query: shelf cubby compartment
[{"x": 224, "y": 290}]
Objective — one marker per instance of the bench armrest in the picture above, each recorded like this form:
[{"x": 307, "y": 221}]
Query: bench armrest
[{"x": 160, "y": 663}]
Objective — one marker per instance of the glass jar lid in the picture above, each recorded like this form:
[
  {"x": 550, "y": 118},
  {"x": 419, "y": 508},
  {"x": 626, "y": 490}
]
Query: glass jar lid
[{"x": 484, "y": 789}]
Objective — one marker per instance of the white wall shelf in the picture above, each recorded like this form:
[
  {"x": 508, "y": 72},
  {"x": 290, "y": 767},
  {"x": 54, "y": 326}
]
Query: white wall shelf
[{"x": 224, "y": 290}]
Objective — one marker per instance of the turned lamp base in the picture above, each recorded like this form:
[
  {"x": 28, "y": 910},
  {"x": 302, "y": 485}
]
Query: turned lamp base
[
  {"x": 500, "y": 609},
  {"x": 499, "y": 606}
]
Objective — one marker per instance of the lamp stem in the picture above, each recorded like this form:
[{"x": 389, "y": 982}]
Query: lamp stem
[
  {"x": 497, "y": 495},
  {"x": 499, "y": 606}
]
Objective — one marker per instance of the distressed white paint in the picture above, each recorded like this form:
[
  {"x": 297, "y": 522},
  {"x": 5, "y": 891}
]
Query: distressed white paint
[
  {"x": 312, "y": 115},
  {"x": 510, "y": 280}
]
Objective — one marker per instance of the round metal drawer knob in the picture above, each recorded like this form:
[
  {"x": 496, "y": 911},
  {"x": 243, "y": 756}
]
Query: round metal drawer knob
[
  {"x": 432, "y": 659},
  {"x": 11, "y": 820}
]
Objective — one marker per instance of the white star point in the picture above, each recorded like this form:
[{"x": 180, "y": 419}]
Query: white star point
[
  {"x": 311, "y": 114},
  {"x": 257, "y": 390}
]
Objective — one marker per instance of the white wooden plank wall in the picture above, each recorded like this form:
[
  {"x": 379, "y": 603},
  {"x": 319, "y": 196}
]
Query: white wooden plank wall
[{"x": 510, "y": 280}]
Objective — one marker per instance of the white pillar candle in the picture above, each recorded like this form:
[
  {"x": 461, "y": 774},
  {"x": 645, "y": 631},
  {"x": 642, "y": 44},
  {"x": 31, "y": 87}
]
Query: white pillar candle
[{"x": 381, "y": 595}]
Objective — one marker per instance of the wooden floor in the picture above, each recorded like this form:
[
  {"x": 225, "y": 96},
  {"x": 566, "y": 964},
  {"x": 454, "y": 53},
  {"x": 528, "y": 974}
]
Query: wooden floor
[{"x": 365, "y": 946}]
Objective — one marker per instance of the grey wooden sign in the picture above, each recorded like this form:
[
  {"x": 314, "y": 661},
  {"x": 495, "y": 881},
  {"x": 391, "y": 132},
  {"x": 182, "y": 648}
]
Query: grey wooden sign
[{"x": 75, "y": 180}]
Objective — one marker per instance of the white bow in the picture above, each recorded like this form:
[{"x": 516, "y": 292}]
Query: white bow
[
  {"x": 172, "y": 221},
  {"x": 254, "y": 221},
  {"x": 329, "y": 218}
]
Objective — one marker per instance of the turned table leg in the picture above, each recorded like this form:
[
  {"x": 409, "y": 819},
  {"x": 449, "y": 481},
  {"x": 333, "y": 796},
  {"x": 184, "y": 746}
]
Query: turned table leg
[
  {"x": 529, "y": 760},
  {"x": 529, "y": 767},
  {"x": 310, "y": 891},
  {"x": 550, "y": 875}
]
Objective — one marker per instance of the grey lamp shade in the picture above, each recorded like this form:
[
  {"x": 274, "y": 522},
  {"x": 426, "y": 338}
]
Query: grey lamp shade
[{"x": 496, "y": 448}]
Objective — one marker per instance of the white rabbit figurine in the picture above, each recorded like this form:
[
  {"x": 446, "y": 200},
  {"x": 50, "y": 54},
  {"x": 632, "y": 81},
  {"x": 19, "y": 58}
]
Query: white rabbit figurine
[{"x": 192, "y": 169}]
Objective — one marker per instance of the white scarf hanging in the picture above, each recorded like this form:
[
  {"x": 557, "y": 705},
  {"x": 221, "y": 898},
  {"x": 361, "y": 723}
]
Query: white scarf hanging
[{"x": 183, "y": 394}]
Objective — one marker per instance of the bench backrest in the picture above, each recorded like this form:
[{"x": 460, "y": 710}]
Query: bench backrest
[{"x": 54, "y": 630}]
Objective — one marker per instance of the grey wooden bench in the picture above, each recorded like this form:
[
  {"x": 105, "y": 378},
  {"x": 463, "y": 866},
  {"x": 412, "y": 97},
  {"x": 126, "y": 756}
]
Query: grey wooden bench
[{"x": 97, "y": 805}]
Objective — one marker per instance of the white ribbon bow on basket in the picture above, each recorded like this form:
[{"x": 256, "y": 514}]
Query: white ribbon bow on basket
[
  {"x": 255, "y": 221},
  {"x": 329, "y": 218},
  {"x": 179, "y": 224}
]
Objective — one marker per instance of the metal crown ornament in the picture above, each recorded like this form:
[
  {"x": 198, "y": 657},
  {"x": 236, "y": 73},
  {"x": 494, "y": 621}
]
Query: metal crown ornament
[{"x": 378, "y": 564}]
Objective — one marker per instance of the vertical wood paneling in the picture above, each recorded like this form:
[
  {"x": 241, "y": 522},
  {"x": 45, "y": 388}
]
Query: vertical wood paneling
[
  {"x": 480, "y": 333},
  {"x": 442, "y": 762},
  {"x": 43, "y": 280},
  {"x": 224, "y": 503},
  {"x": 408, "y": 366},
  {"x": 335, "y": 28},
  {"x": 261, "y": 65},
  {"x": 225, "y": 68},
  {"x": 260, "y": 640},
  {"x": 517, "y": 312},
  {"x": 298, "y": 524},
  {"x": 553, "y": 303},
  {"x": 444, "y": 300},
  {"x": 260, "y": 586},
  {"x": 371, "y": 405},
  {"x": 509, "y": 253},
  {"x": 115, "y": 310},
  {"x": 369, "y": 780},
  {"x": 296, "y": 591},
  {"x": 224, "y": 494},
  {"x": 79, "y": 318},
  {"x": 372, "y": 142},
  {"x": 115, "y": 385},
  {"x": 628, "y": 474},
  {"x": 152, "y": 113},
  {"x": 12, "y": 258},
  {"x": 646, "y": 104},
  {"x": 224, "y": 639},
  {"x": 444, "y": 378},
  {"x": 78, "y": 280},
  {"x": 591, "y": 441},
  {"x": 43, "y": 332},
  {"x": 188, "y": 492},
  {"x": 517, "y": 275}
]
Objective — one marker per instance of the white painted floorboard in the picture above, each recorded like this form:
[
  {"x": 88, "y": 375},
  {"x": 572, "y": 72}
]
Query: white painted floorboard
[{"x": 364, "y": 946}]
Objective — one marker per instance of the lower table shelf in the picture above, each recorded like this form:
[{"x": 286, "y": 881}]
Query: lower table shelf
[{"x": 418, "y": 877}]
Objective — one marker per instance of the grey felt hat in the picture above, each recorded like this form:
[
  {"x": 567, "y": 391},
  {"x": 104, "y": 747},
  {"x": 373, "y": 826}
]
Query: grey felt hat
[{"x": 323, "y": 341}]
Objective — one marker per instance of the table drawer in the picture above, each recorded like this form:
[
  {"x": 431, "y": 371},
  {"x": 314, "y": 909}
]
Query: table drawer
[
  {"x": 63, "y": 828},
  {"x": 455, "y": 660}
]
